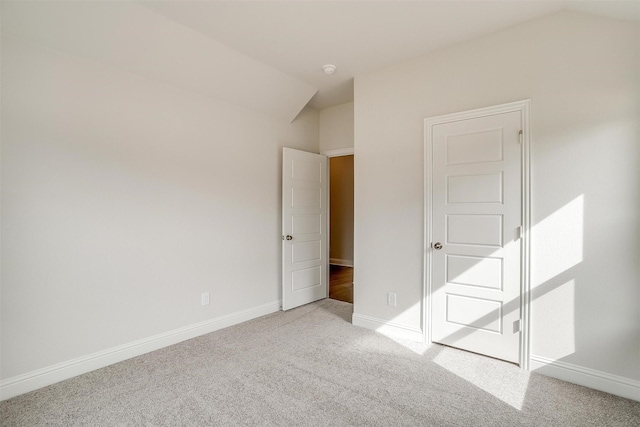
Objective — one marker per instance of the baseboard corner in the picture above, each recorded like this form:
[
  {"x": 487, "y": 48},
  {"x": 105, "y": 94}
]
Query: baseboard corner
[
  {"x": 341, "y": 262},
  {"x": 387, "y": 327}
]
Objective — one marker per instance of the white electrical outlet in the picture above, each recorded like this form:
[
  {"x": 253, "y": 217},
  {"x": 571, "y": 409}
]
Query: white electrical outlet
[
  {"x": 204, "y": 298},
  {"x": 391, "y": 299}
]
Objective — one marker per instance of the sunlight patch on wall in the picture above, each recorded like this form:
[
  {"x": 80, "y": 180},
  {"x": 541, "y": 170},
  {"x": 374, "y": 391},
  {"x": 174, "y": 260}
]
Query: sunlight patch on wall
[{"x": 560, "y": 241}]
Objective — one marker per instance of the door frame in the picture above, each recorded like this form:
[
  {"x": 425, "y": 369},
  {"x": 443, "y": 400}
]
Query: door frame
[
  {"x": 350, "y": 151},
  {"x": 523, "y": 107}
]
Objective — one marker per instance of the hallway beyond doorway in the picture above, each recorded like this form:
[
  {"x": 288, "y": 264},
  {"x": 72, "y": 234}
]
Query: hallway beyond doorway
[{"x": 341, "y": 283}]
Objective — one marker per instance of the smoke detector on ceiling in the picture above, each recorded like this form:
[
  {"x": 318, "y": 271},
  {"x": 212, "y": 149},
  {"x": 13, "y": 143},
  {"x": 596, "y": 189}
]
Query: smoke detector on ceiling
[{"x": 329, "y": 69}]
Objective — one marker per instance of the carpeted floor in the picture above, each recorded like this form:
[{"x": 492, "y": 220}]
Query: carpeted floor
[{"x": 311, "y": 367}]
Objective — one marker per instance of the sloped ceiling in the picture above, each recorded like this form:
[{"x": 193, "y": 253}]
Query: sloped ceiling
[
  {"x": 267, "y": 55},
  {"x": 131, "y": 38},
  {"x": 298, "y": 37}
]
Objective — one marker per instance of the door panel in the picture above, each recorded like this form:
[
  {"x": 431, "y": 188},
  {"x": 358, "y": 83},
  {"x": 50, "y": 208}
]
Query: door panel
[
  {"x": 306, "y": 278},
  {"x": 473, "y": 312},
  {"x": 306, "y": 251},
  {"x": 304, "y": 220},
  {"x": 485, "y": 272},
  {"x": 306, "y": 224},
  {"x": 471, "y": 229},
  {"x": 476, "y": 214},
  {"x": 476, "y": 146},
  {"x": 306, "y": 197},
  {"x": 478, "y": 188}
]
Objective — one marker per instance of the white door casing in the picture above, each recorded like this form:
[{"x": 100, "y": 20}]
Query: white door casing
[
  {"x": 476, "y": 166},
  {"x": 304, "y": 228}
]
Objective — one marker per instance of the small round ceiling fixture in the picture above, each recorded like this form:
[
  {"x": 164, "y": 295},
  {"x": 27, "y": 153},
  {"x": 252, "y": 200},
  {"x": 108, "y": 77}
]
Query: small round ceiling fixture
[{"x": 329, "y": 69}]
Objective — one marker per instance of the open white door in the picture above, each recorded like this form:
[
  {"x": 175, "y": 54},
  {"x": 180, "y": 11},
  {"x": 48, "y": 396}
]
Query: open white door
[
  {"x": 304, "y": 228},
  {"x": 476, "y": 232}
]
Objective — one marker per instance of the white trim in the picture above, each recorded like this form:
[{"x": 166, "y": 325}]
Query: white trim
[
  {"x": 342, "y": 262},
  {"x": 426, "y": 253},
  {"x": 387, "y": 327},
  {"x": 525, "y": 241},
  {"x": 609, "y": 383},
  {"x": 339, "y": 152},
  {"x": 524, "y": 108},
  {"x": 52, "y": 374}
]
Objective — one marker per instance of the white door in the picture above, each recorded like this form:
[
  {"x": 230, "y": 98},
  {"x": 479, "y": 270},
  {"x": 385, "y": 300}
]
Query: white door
[
  {"x": 476, "y": 228},
  {"x": 304, "y": 228}
]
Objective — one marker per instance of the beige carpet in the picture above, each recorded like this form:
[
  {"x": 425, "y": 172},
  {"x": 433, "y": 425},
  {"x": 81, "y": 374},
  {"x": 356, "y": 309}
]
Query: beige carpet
[{"x": 311, "y": 367}]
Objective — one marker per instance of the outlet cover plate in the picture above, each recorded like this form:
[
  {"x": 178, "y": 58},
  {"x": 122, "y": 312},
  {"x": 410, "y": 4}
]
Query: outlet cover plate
[{"x": 205, "y": 298}]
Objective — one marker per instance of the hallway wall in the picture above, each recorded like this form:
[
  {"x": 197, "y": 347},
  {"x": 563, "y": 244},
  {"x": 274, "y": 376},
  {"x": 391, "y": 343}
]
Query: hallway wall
[{"x": 341, "y": 182}]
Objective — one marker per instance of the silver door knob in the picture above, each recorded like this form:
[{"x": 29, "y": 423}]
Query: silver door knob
[
  {"x": 289, "y": 237},
  {"x": 437, "y": 246}
]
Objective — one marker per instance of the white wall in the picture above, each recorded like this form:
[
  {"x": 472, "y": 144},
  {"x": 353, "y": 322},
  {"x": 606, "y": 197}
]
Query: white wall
[
  {"x": 123, "y": 200},
  {"x": 336, "y": 127},
  {"x": 582, "y": 75}
]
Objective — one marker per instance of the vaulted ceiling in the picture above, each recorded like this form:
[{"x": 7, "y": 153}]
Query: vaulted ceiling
[
  {"x": 268, "y": 55},
  {"x": 298, "y": 37}
]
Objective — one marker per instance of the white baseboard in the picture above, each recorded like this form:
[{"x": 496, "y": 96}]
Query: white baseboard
[
  {"x": 342, "y": 262},
  {"x": 614, "y": 384},
  {"x": 52, "y": 374},
  {"x": 388, "y": 328}
]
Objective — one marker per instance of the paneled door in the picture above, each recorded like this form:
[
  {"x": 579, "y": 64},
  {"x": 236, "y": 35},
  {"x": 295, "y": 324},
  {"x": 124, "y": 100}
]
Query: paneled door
[
  {"x": 476, "y": 228},
  {"x": 304, "y": 228}
]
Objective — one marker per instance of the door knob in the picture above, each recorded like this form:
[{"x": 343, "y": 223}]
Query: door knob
[
  {"x": 437, "y": 246},
  {"x": 289, "y": 237}
]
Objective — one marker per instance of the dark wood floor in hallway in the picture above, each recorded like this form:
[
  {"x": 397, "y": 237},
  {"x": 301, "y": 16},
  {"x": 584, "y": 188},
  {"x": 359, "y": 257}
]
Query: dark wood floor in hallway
[{"x": 341, "y": 283}]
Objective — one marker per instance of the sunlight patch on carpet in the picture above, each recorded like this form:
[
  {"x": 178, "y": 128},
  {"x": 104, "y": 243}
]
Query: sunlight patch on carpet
[{"x": 508, "y": 385}]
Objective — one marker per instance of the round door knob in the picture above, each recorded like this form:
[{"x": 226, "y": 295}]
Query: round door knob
[
  {"x": 289, "y": 237},
  {"x": 437, "y": 246}
]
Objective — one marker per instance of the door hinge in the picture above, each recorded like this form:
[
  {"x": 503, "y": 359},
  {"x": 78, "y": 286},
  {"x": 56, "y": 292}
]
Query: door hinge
[
  {"x": 520, "y": 232},
  {"x": 516, "y": 326},
  {"x": 521, "y": 135}
]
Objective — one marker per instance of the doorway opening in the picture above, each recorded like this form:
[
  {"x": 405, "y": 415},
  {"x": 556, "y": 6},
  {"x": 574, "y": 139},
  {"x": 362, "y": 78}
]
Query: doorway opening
[{"x": 341, "y": 225}]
